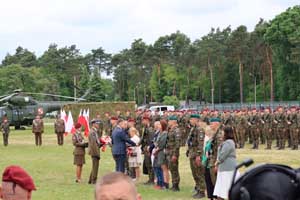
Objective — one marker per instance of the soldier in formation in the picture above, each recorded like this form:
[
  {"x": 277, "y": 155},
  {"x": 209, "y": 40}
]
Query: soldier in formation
[
  {"x": 5, "y": 130},
  {"x": 59, "y": 128},
  {"x": 38, "y": 130}
]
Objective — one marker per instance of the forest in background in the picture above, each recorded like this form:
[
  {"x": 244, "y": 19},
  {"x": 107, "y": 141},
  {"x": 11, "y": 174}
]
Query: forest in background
[{"x": 223, "y": 66}]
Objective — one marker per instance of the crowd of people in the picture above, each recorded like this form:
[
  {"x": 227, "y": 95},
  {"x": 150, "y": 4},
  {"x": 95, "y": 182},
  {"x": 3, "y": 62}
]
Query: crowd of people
[{"x": 149, "y": 143}]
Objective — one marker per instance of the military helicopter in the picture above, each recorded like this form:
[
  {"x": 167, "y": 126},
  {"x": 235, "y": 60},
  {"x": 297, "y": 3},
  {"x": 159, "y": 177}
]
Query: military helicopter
[{"x": 20, "y": 108}]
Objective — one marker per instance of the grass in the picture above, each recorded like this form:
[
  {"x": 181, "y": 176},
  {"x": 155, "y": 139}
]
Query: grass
[{"x": 53, "y": 171}]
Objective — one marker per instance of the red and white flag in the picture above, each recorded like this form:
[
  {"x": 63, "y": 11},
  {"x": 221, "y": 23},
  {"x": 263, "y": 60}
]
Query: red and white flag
[
  {"x": 70, "y": 124},
  {"x": 86, "y": 116}
]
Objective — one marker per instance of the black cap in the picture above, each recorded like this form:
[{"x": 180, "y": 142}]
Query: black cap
[{"x": 95, "y": 121}]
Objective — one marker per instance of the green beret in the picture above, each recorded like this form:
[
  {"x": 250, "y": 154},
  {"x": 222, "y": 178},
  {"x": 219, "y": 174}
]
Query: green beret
[
  {"x": 216, "y": 119},
  {"x": 195, "y": 116},
  {"x": 172, "y": 118}
]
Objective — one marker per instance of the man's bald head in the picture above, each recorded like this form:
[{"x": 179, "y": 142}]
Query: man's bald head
[{"x": 116, "y": 186}]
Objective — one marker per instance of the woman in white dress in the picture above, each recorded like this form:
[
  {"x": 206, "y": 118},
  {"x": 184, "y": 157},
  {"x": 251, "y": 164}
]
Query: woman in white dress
[
  {"x": 135, "y": 153},
  {"x": 226, "y": 163}
]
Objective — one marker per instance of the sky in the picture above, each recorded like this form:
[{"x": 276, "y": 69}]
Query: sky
[{"x": 114, "y": 24}]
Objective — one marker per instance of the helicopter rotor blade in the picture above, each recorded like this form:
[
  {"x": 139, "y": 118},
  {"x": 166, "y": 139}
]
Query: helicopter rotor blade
[
  {"x": 55, "y": 95},
  {"x": 7, "y": 97}
]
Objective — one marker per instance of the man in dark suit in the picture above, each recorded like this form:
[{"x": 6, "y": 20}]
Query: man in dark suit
[{"x": 119, "y": 140}]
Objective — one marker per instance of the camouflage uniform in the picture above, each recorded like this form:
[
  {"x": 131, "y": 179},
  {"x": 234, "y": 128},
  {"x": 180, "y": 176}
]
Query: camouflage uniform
[
  {"x": 147, "y": 138},
  {"x": 138, "y": 124},
  {"x": 293, "y": 130},
  {"x": 215, "y": 143},
  {"x": 59, "y": 127},
  {"x": 37, "y": 130},
  {"x": 172, "y": 149},
  {"x": 5, "y": 130},
  {"x": 187, "y": 126},
  {"x": 280, "y": 122},
  {"x": 241, "y": 127},
  {"x": 181, "y": 125},
  {"x": 267, "y": 120},
  {"x": 195, "y": 148},
  {"x": 254, "y": 126},
  {"x": 262, "y": 133},
  {"x": 107, "y": 127}
]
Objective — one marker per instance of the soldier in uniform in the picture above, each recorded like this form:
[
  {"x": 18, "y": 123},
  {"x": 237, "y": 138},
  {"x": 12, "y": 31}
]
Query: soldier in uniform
[
  {"x": 128, "y": 115},
  {"x": 146, "y": 141},
  {"x": 101, "y": 125},
  {"x": 205, "y": 116},
  {"x": 79, "y": 151},
  {"x": 293, "y": 128},
  {"x": 172, "y": 151},
  {"x": 254, "y": 123},
  {"x": 119, "y": 114},
  {"x": 182, "y": 124},
  {"x": 114, "y": 123},
  {"x": 248, "y": 130},
  {"x": 267, "y": 121},
  {"x": 262, "y": 134},
  {"x": 155, "y": 117},
  {"x": 107, "y": 124},
  {"x": 59, "y": 128},
  {"x": 195, "y": 143},
  {"x": 241, "y": 126},
  {"x": 138, "y": 120},
  {"x": 5, "y": 131},
  {"x": 38, "y": 130},
  {"x": 94, "y": 150},
  {"x": 280, "y": 121}
]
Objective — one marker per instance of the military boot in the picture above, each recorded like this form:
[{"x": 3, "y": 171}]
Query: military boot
[
  {"x": 199, "y": 195},
  {"x": 166, "y": 185},
  {"x": 175, "y": 187}
]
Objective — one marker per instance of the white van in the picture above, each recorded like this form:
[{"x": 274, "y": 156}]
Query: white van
[{"x": 161, "y": 109}]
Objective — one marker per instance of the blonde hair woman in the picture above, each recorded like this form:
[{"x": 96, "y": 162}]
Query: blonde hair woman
[{"x": 135, "y": 153}]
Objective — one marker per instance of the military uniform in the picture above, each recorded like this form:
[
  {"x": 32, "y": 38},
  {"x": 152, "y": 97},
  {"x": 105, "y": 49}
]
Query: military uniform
[
  {"x": 5, "y": 131},
  {"x": 213, "y": 154},
  {"x": 241, "y": 126},
  {"x": 59, "y": 128},
  {"x": 38, "y": 130},
  {"x": 79, "y": 150},
  {"x": 293, "y": 130},
  {"x": 182, "y": 124},
  {"x": 147, "y": 138},
  {"x": 280, "y": 122},
  {"x": 254, "y": 126},
  {"x": 267, "y": 121},
  {"x": 94, "y": 152},
  {"x": 107, "y": 127},
  {"x": 173, "y": 149},
  {"x": 195, "y": 149},
  {"x": 138, "y": 124}
]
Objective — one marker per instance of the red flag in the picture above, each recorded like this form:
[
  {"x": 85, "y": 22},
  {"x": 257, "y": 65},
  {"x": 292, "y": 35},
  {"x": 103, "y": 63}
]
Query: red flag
[
  {"x": 81, "y": 119},
  {"x": 86, "y": 122}
]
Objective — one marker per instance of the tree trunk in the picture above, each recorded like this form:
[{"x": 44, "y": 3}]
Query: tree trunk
[
  {"x": 211, "y": 81},
  {"x": 174, "y": 88},
  {"x": 269, "y": 59},
  {"x": 188, "y": 87},
  {"x": 241, "y": 80}
]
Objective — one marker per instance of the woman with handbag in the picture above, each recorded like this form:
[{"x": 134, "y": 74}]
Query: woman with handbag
[
  {"x": 135, "y": 153},
  {"x": 79, "y": 151}
]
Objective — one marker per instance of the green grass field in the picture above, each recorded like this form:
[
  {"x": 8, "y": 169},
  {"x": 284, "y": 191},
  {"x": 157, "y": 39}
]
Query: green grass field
[{"x": 52, "y": 168}]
